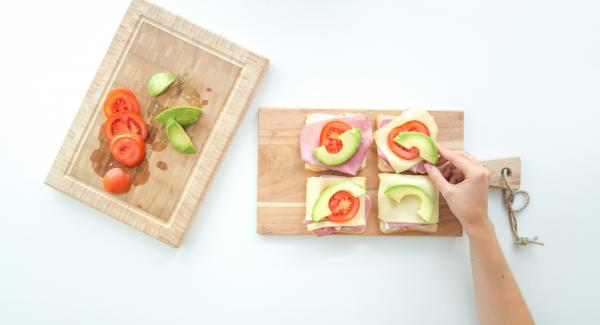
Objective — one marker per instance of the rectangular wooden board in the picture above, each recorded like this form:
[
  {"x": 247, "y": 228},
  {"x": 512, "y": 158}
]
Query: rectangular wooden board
[
  {"x": 212, "y": 72},
  {"x": 282, "y": 176}
]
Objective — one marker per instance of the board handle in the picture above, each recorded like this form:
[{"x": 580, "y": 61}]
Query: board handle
[{"x": 495, "y": 167}]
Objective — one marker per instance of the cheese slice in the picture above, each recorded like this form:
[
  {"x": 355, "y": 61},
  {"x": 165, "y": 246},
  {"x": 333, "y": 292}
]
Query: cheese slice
[
  {"x": 316, "y": 185},
  {"x": 381, "y": 137},
  {"x": 406, "y": 210},
  {"x": 317, "y": 117}
]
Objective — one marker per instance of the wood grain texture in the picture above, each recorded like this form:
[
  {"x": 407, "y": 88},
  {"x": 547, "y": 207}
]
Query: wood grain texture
[
  {"x": 495, "y": 167},
  {"x": 212, "y": 72},
  {"x": 282, "y": 176}
]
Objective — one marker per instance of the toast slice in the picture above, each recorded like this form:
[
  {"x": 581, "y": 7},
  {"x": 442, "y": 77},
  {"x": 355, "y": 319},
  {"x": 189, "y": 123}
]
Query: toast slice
[
  {"x": 315, "y": 186},
  {"x": 316, "y": 117},
  {"x": 404, "y": 216}
]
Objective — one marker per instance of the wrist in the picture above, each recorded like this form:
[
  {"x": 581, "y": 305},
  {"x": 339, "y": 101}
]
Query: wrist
[{"x": 482, "y": 228}]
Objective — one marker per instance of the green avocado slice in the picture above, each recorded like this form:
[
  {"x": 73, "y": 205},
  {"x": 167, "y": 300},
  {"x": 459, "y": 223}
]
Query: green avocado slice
[
  {"x": 159, "y": 82},
  {"x": 427, "y": 148},
  {"x": 398, "y": 192},
  {"x": 184, "y": 115},
  {"x": 178, "y": 138},
  {"x": 350, "y": 142},
  {"x": 321, "y": 208}
]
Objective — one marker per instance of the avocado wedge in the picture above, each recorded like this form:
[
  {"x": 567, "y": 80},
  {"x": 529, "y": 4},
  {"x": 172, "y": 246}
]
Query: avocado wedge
[
  {"x": 398, "y": 192},
  {"x": 160, "y": 82},
  {"x": 178, "y": 138},
  {"x": 427, "y": 148},
  {"x": 184, "y": 115},
  {"x": 350, "y": 140}
]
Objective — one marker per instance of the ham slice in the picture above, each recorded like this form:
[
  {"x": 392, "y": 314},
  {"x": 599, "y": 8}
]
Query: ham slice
[
  {"x": 391, "y": 227},
  {"x": 310, "y": 137},
  {"x": 345, "y": 229},
  {"x": 417, "y": 169}
]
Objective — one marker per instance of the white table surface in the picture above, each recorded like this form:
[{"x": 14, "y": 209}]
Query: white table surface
[{"x": 527, "y": 75}]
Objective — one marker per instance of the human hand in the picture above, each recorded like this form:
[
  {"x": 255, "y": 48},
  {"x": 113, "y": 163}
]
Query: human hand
[{"x": 464, "y": 182}]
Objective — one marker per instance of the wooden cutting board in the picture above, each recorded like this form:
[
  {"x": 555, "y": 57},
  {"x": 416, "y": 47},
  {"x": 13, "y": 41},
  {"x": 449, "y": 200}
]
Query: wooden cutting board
[
  {"x": 212, "y": 72},
  {"x": 282, "y": 176}
]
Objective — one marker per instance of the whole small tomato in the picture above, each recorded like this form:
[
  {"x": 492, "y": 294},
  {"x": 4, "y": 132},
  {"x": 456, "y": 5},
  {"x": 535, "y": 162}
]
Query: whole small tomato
[{"x": 117, "y": 181}]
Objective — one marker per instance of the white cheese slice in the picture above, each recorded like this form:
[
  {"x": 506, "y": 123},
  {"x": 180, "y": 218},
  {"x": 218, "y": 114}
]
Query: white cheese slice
[
  {"x": 317, "y": 117},
  {"x": 406, "y": 210},
  {"x": 381, "y": 137},
  {"x": 316, "y": 185}
]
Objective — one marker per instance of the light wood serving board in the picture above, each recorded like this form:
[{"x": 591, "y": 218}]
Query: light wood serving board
[
  {"x": 212, "y": 72},
  {"x": 282, "y": 176}
]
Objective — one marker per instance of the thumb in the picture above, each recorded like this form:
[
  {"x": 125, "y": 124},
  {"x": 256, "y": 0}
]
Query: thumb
[{"x": 437, "y": 178}]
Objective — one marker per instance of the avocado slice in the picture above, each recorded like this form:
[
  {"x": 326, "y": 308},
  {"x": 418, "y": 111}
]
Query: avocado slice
[
  {"x": 184, "y": 115},
  {"x": 398, "y": 192},
  {"x": 350, "y": 141},
  {"x": 159, "y": 82},
  {"x": 427, "y": 148},
  {"x": 321, "y": 208},
  {"x": 178, "y": 138}
]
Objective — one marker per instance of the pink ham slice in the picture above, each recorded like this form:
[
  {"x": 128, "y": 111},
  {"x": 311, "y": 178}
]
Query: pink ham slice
[
  {"x": 310, "y": 137},
  {"x": 404, "y": 226},
  {"x": 346, "y": 229},
  {"x": 417, "y": 169}
]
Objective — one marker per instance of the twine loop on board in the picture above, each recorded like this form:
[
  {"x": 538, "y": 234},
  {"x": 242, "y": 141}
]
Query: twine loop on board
[{"x": 508, "y": 197}]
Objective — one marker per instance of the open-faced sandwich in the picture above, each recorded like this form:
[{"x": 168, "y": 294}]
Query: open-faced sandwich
[
  {"x": 407, "y": 203},
  {"x": 336, "y": 204},
  {"x": 406, "y": 142},
  {"x": 335, "y": 142}
]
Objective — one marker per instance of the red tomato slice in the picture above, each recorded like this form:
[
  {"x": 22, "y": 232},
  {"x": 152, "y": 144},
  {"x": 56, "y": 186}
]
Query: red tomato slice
[
  {"x": 344, "y": 206},
  {"x": 116, "y": 180},
  {"x": 400, "y": 151},
  {"x": 128, "y": 149},
  {"x": 120, "y": 100},
  {"x": 330, "y": 134},
  {"x": 125, "y": 122}
]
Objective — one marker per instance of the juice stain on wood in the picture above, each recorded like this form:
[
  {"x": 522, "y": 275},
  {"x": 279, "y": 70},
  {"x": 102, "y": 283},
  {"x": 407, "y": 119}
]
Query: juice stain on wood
[
  {"x": 182, "y": 93},
  {"x": 157, "y": 138},
  {"x": 162, "y": 165}
]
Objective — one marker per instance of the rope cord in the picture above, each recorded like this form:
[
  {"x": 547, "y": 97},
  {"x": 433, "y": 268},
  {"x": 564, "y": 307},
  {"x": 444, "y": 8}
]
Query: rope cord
[{"x": 508, "y": 196}]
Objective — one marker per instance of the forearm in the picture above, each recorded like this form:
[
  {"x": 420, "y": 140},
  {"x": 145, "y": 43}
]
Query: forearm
[{"x": 497, "y": 295}]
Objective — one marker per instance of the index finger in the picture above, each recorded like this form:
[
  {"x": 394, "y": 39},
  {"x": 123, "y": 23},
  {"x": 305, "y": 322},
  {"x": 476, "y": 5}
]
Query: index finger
[{"x": 457, "y": 160}]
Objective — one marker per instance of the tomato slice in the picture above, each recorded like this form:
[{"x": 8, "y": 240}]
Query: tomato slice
[
  {"x": 128, "y": 149},
  {"x": 116, "y": 180},
  {"x": 400, "y": 151},
  {"x": 343, "y": 206},
  {"x": 125, "y": 122},
  {"x": 120, "y": 100},
  {"x": 330, "y": 134}
]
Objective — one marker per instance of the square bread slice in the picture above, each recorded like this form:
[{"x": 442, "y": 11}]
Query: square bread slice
[
  {"x": 402, "y": 216},
  {"x": 381, "y": 139},
  {"x": 316, "y": 117},
  {"x": 316, "y": 185}
]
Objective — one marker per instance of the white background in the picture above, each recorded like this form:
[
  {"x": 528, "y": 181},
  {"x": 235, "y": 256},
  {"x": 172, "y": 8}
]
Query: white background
[{"x": 526, "y": 73}]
